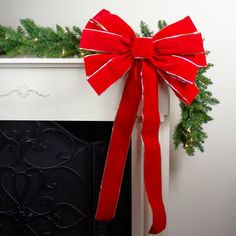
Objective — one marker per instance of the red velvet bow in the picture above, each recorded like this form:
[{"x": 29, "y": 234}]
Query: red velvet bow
[{"x": 174, "y": 54}]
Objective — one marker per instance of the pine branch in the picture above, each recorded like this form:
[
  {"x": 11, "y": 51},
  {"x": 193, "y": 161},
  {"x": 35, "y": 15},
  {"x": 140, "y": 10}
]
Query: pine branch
[
  {"x": 145, "y": 31},
  {"x": 189, "y": 132}
]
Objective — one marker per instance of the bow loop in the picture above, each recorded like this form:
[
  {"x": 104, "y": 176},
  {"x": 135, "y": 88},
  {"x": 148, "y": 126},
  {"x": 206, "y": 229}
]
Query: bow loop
[
  {"x": 103, "y": 41},
  {"x": 108, "y": 73},
  {"x": 183, "y": 44},
  {"x": 178, "y": 67},
  {"x": 184, "y": 26},
  {"x": 105, "y": 21},
  {"x": 184, "y": 91}
]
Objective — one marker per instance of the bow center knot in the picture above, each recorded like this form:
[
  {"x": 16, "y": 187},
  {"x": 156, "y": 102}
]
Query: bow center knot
[{"x": 142, "y": 48}]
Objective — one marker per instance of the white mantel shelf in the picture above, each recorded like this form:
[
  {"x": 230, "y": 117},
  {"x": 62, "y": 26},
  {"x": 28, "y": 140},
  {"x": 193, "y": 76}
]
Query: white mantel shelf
[{"x": 41, "y": 62}]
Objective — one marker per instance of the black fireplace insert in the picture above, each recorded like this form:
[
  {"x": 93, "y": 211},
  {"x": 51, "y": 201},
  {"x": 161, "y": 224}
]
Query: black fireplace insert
[{"x": 50, "y": 174}]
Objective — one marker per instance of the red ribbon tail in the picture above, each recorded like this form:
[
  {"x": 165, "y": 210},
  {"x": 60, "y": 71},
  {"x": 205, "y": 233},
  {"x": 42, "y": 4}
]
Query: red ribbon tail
[
  {"x": 118, "y": 148},
  {"x": 152, "y": 154}
]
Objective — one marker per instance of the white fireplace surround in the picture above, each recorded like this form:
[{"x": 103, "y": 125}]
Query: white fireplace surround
[{"x": 56, "y": 89}]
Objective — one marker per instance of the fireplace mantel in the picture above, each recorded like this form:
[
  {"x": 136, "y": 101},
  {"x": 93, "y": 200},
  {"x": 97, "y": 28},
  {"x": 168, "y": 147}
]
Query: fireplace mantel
[
  {"x": 50, "y": 79},
  {"x": 56, "y": 89}
]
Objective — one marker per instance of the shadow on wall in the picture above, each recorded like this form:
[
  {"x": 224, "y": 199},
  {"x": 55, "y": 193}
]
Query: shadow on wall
[{"x": 176, "y": 156}]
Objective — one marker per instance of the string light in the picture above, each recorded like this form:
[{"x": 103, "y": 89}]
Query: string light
[{"x": 35, "y": 39}]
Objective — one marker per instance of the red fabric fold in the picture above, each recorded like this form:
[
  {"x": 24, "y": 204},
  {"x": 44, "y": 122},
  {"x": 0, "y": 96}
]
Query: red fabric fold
[
  {"x": 178, "y": 67},
  {"x": 118, "y": 148},
  {"x": 94, "y": 62},
  {"x": 104, "y": 20},
  {"x": 174, "y": 54},
  {"x": 184, "y": 91},
  {"x": 152, "y": 152},
  {"x": 185, "y": 44},
  {"x": 103, "y": 41},
  {"x": 199, "y": 59},
  {"x": 109, "y": 73},
  {"x": 184, "y": 26}
]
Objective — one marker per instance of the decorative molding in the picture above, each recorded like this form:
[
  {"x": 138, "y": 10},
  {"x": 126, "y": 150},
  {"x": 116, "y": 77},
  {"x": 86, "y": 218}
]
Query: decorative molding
[{"x": 24, "y": 91}]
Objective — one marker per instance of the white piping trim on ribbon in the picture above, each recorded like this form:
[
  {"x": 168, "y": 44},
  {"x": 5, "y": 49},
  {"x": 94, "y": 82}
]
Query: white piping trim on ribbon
[
  {"x": 182, "y": 57},
  {"x": 100, "y": 51},
  {"x": 142, "y": 98},
  {"x": 176, "y": 36},
  {"x": 90, "y": 55},
  {"x": 88, "y": 77},
  {"x": 104, "y": 32},
  {"x": 98, "y": 24},
  {"x": 124, "y": 76},
  {"x": 101, "y": 68},
  {"x": 178, "y": 77},
  {"x": 172, "y": 86}
]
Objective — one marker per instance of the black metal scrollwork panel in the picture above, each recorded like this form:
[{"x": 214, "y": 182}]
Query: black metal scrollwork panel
[
  {"x": 49, "y": 181},
  {"x": 44, "y": 176}
]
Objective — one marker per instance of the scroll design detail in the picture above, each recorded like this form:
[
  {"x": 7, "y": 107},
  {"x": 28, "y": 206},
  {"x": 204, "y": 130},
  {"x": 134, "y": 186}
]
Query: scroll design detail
[
  {"x": 24, "y": 91},
  {"x": 32, "y": 201}
]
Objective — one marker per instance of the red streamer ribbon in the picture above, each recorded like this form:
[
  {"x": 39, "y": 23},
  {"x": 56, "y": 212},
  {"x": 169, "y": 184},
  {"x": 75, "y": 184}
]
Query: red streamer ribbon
[{"x": 174, "y": 54}]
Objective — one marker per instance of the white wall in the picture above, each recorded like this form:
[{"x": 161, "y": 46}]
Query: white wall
[{"x": 203, "y": 189}]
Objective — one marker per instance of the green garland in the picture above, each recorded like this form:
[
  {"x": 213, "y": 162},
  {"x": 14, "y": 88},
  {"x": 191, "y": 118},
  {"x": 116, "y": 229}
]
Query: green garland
[{"x": 31, "y": 39}]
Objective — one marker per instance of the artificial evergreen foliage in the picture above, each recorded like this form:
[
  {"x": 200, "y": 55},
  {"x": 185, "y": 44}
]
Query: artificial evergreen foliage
[
  {"x": 145, "y": 31},
  {"x": 31, "y": 39},
  {"x": 189, "y": 132}
]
